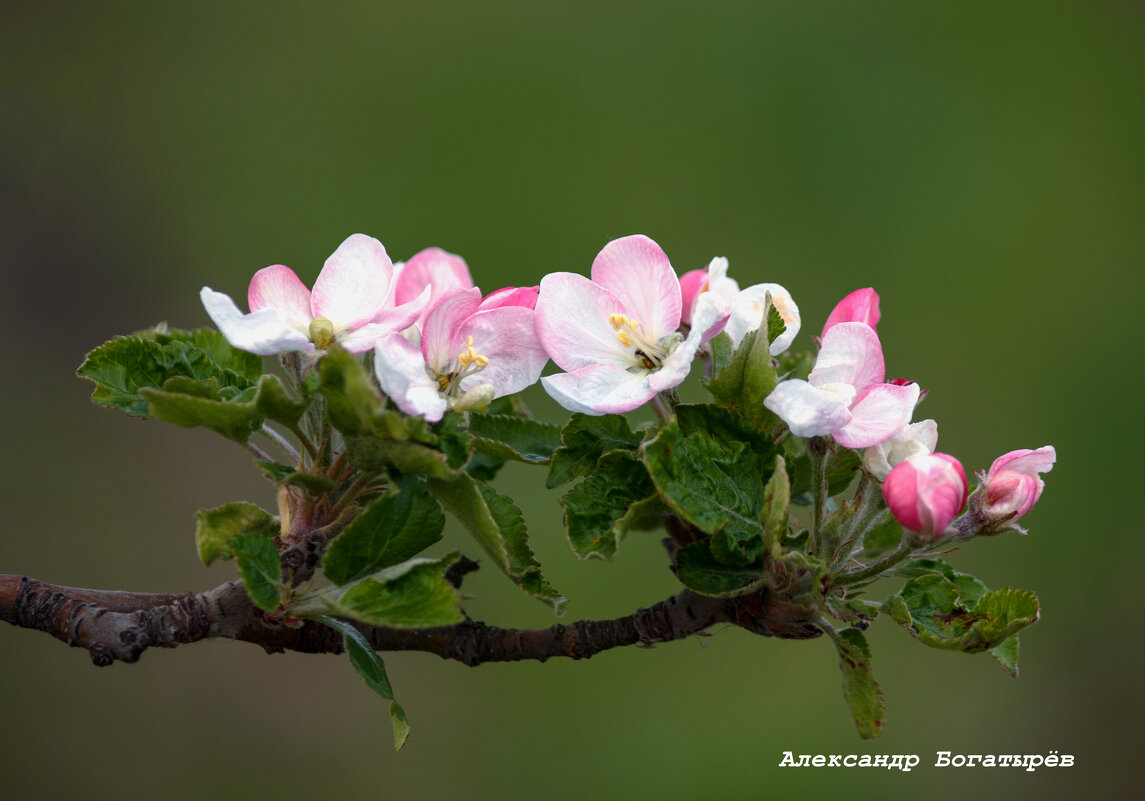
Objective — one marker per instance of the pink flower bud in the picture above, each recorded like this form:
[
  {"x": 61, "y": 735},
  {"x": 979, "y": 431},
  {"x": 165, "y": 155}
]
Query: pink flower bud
[
  {"x": 861, "y": 306},
  {"x": 926, "y": 492},
  {"x": 692, "y": 283},
  {"x": 1012, "y": 485}
]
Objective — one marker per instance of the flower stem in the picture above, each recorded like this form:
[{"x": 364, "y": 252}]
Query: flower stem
[{"x": 902, "y": 552}]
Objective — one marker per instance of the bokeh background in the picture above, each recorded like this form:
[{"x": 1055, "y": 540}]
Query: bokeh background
[{"x": 981, "y": 165}]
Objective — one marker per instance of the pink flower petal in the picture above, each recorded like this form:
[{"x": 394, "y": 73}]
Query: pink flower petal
[
  {"x": 441, "y": 338},
  {"x": 638, "y": 272},
  {"x": 692, "y": 283},
  {"x": 807, "y": 411},
  {"x": 354, "y": 285},
  {"x": 277, "y": 287},
  {"x": 926, "y": 492},
  {"x": 265, "y": 332},
  {"x": 599, "y": 389},
  {"x": 435, "y": 268},
  {"x": 508, "y": 339},
  {"x": 511, "y": 296},
  {"x": 1026, "y": 461},
  {"x": 851, "y": 354},
  {"x": 402, "y": 375},
  {"x": 573, "y": 322},
  {"x": 861, "y": 306},
  {"x": 877, "y": 415}
]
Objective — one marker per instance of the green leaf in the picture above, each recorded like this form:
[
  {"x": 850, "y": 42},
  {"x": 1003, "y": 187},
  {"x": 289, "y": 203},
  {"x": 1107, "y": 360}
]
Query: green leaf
[
  {"x": 968, "y": 587},
  {"x": 372, "y": 669},
  {"x": 216, "y": 527},
  {"x": 775, "y": 325},
  {"x": 496, "y": 524},
  {"x": 597, "y": 509},
  {"x": 859, "y": 686},
  {"x": 125, "y": 365},
  {"x": 721, "y": 424},
  {"x": 214, "y": 344},
  {"x": 721, "y": 348},
  {"x": 1006, "y": 655},
  {"x": 700, "y": 572},
  {"x": 932, "y": 609},
  {"x": 353, "y": 403},
  {"x": 584, "y": 439},
  {"x": 310, "y": 483},
  {"x": 412, "y": 595},
  {"x": 259, "y": 566},
  {"x": 374, "y": 454},
  {"x": 746, "y": 381},
  {"x": 392, "y": 529},
  {"x": 518, "y": 438},
  {"x": 794, "y": 364},
  {"x": 717, "y": 486},
  {"x": 187, "y": 402},
  {"x": 776, "y": 497}
]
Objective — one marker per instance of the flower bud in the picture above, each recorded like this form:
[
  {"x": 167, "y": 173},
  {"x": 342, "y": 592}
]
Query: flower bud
[
  {"x": 926, "y": 492},
  {"x": 1011, "y": 487},
  {"x": 692, "y": 283}
]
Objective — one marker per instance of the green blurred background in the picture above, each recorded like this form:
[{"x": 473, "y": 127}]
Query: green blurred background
[{"x": 983, "y": 166}]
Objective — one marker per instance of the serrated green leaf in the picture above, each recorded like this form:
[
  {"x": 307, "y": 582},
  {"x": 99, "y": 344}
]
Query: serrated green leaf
[
  {"x": 596, "y": 508},
  {"x": 1006, "y": 655},
  {"x": 392, "y": 529},
  {"x": 721, "y": 424},
  {"x": 523, "y": 564},
  {"x": 795, "y": 364},
  {"x": 721, "y": 348},
  {"x": 375, "y": 454},
  {"x": 717, "y": 486},
  {"x": 746, "y": 381},
  {"x": 931, "y": 608},
  {"x": 518, "y": 438},
  {"x": 353, "y": 403},
  {"x": 125, "y": 365},
  {"x": 236, "y": 415},
  {"x": 859, "y": 686},
  {"x": 454, "y": 440},
  {"x": 214, "y": 344},
  {"x": 216, "y": 527},
  {"x": 372, "y": 669},
  {"x": 259, "y": 566},
  {"x": 584, "y": 439},
  {"x": 699, "y": 571},
  {"x": 497, "y": 526},
  {"x": 412, "y": 595}
]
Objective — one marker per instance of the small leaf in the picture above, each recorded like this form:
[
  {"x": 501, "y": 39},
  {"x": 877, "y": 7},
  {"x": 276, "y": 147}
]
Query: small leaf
[
  {"x": 374, "y": 454},
  {"x": 584, "y": 439},
  {"x": 216, "y": 527},
  {"x": 746, "y": 381},
  {"x": 842, "y": 467},
  {"x": 372, "y": 669},
  {"x": 392, "y": 529},
  {"x": 596, "y": 509},
  {"x": 721, "y": 348},
  {"x": 189, "y": 403},
  {"x": 700, "y": 572},
  {"x": 518, "y": 438},
  {"x": 776, "y": 497},
  {"x": 1006, "y": 655},
  {"x": 859, "y": 686},
  {"x": 259, "y": 566},
  {"x": 496, "y": 524},
  {"x": 353, "y": 403},
  {"x": 214, "y": 344},
  {"x": 412, "y": 595}
]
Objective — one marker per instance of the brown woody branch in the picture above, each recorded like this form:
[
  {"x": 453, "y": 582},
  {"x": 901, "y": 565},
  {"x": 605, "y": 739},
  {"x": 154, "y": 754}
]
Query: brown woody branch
[{"x": 120, "y": 626}]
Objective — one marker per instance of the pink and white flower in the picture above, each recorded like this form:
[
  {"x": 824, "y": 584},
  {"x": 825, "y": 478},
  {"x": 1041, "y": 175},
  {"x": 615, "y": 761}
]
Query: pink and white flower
[
  {"x": 926, "y": 492},
  {"x": 467, "y": 357},
  {"x": 511, "y": 296},
  {"x": 1011, "y": 487},
  {"x": 845, "y": 395},
  {"x": 861, "y": 306},
  {"x": 617, "y": 334},
  {"x": 352, "y": 304},
  {"x": 914, "y": 440},
  {"x": 747, "y": 306}
]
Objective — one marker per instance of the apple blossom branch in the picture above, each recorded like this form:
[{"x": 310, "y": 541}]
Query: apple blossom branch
[{"x": 119, "y": 626}]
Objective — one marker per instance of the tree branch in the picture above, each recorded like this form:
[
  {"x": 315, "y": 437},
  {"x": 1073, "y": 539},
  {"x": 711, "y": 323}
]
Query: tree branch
[{"x": 120, "y": 626}]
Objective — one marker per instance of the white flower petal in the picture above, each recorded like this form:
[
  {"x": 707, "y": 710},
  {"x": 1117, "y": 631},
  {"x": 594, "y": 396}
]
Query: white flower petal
[
  {"x": 807, "y": 411},
  {"x": 265, "y": 332},
  {"x": 599, "y": 389},
  {"x": 401, "y": 372}
]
